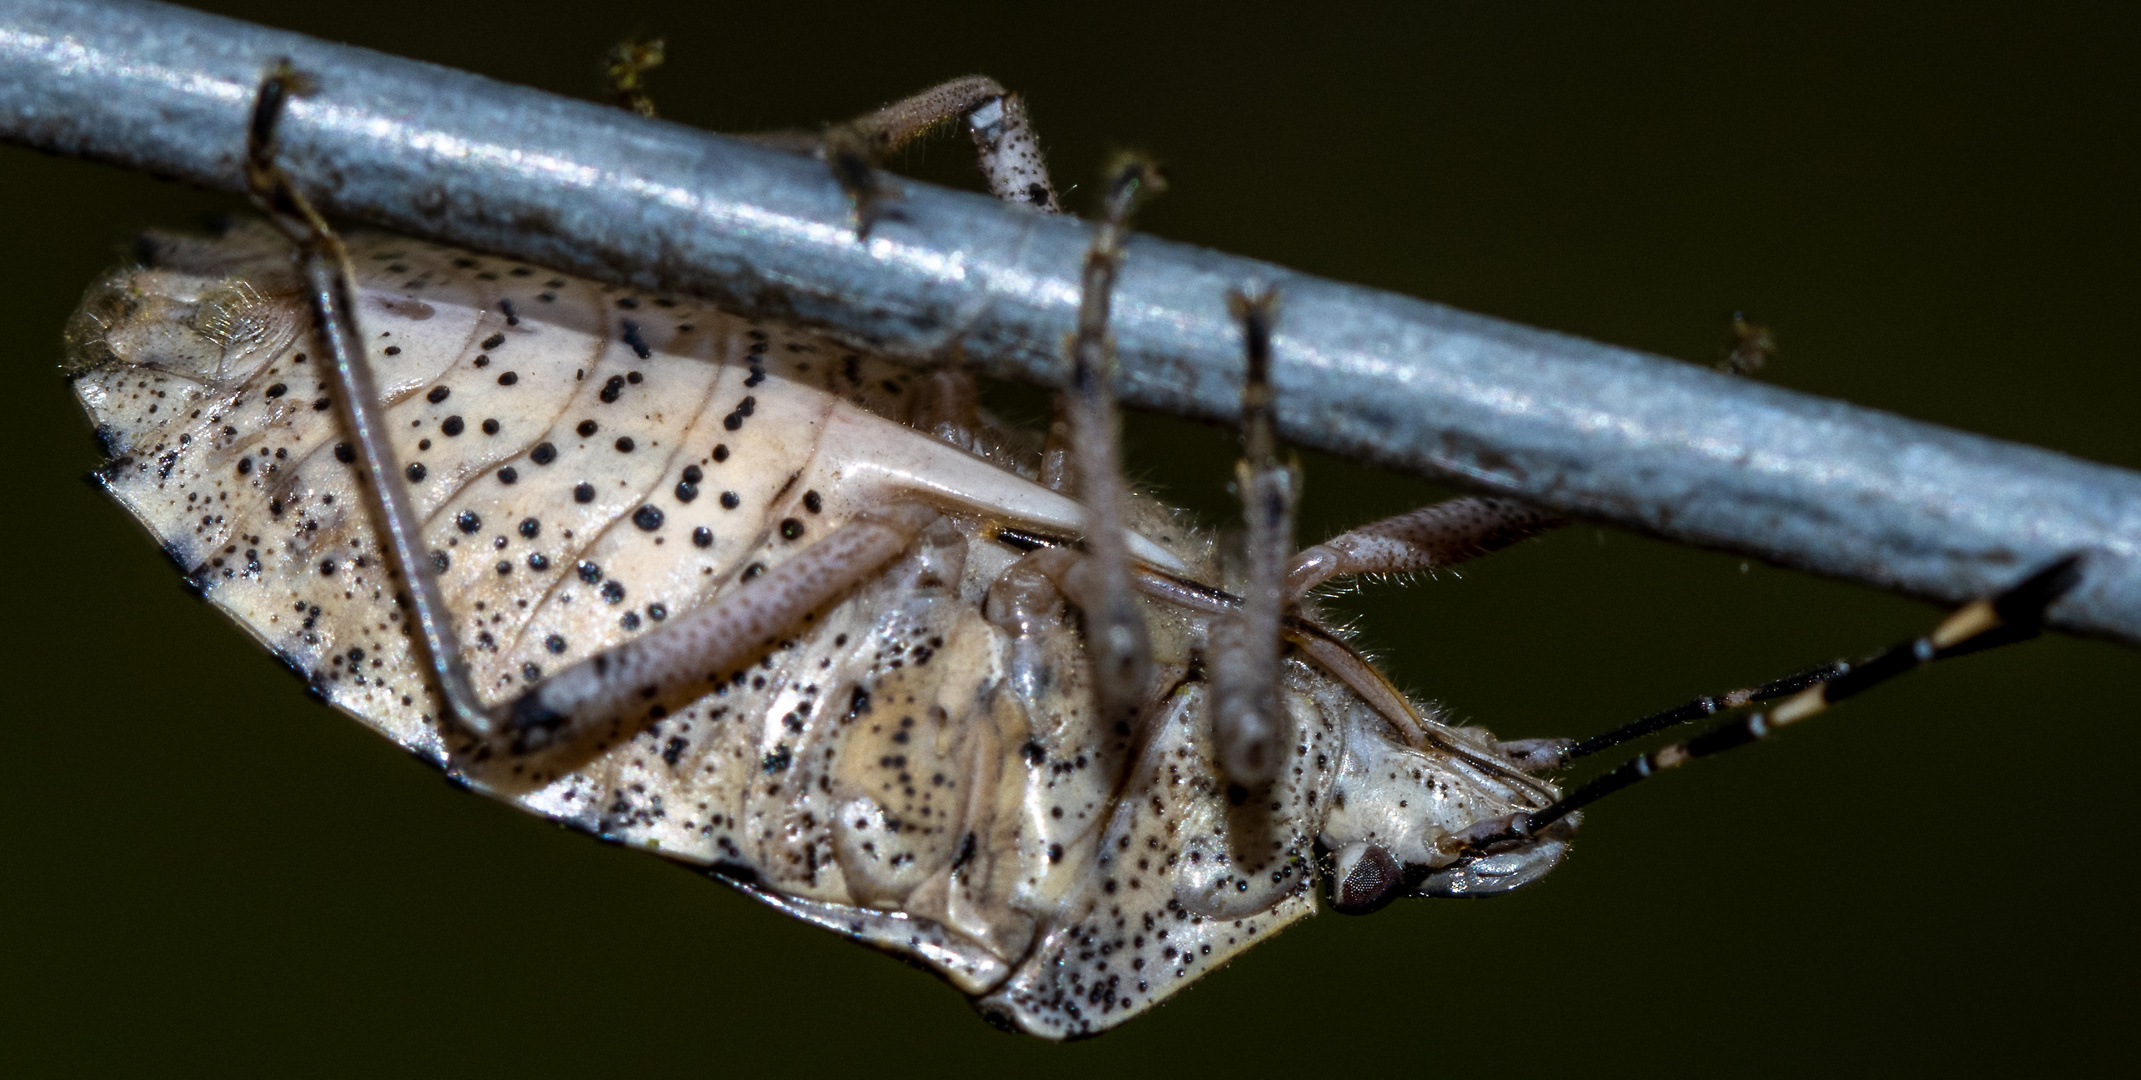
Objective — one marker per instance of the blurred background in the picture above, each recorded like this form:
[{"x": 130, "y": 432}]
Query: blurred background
[{"x": 1932, "y": 208}]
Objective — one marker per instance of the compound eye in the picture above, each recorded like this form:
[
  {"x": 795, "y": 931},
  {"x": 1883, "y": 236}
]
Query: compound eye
[{"x": 1363, "y": 878}]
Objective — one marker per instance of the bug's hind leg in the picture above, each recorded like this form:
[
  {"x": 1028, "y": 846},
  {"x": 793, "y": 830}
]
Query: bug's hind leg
[
  {"x": 1009, "y": 155},
  {"x": 610, "y": 694},
  {"x": 1010, "y": 150},
  {"x": 995, "y": 118},
  {"x": 330, "y": 280}
]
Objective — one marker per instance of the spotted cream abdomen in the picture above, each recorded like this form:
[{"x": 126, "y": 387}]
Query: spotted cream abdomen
[{"x": 917, "y": 765}]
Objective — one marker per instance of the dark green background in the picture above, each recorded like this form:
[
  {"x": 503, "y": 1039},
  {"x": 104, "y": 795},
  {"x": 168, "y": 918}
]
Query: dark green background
[{"x": 1936, "y": 211}]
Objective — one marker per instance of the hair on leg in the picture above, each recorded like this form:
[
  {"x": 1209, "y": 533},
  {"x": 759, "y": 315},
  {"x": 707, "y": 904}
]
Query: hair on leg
[
  {"x": 628, "y": 685},
  {"x": 1249, "y": 721},
  {"x": 1244, "y": 655},
  {"x": 1117, "y": 642},
  {"x": 1011, "y": 161},
  {"x": 1429, "y": 538}
]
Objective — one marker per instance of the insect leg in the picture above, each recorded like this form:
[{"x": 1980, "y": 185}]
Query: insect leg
[
  {"x": 1058, "y": 472},
  {"x": 1009, "y": 153},
  {"x": 1245, "y": 646},
  {"x": 996, "y": 119},
  {"x": 630, "y": 683},
  {"x": 1117, "y": 642},
  {"x": 1333, "y": 654},
  {"x": 2013, "y": 615},
  {"x": 330, "y": 279},
  {"x": 1249, "y": 723},
  {"x": 1429, "y": 538},
  {"x": 951, "y": 407}
]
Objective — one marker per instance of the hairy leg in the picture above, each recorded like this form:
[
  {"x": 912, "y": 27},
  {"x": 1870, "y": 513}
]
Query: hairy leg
[
  {"x": 1011, "y": 158},
  {"x": 1250, "y": 726},
  {"x": 1117, "y": 641},
  {"x": 1011, "y": 161},
  {"x": 1429, "y": 538},
  {"x": 1248, "y": 721},
  {"x": 705, "y": 646}
]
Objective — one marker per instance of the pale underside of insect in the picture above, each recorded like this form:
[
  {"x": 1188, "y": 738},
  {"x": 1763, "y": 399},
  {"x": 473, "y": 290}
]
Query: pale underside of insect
[
  {"x": 918, "y": 765},
  {"x": 936, "y": 755}
]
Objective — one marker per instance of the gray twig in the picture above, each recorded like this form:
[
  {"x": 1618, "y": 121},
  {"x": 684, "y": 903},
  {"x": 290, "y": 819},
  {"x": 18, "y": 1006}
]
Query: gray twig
[{"x": 1587, "y": 429}]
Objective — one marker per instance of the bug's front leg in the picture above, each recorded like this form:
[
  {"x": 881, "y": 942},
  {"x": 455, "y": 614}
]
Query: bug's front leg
[{"x": 1428, "y": 539}]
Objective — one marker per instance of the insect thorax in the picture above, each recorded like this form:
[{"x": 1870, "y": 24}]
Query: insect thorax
[{"x": 917, "y": 766}]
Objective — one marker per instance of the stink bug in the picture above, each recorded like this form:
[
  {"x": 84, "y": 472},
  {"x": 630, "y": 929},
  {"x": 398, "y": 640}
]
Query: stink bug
[{"x": 1823, "y": 646}]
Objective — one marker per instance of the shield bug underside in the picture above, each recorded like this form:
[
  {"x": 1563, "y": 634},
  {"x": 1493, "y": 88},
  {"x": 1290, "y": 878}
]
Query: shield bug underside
[{"x": 935, "y": 753}]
